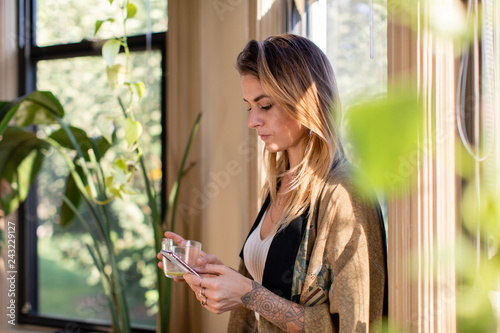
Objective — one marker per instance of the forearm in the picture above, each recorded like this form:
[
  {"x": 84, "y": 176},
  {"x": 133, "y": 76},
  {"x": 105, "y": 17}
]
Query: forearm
[{"x": 285, "y": 314}]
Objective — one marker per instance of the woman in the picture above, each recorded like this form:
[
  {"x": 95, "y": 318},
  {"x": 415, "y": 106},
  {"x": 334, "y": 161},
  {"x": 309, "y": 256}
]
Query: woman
[{"x": 315, "y": 259}]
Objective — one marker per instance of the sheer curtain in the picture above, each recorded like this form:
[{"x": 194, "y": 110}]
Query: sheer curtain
[
  {"x": 421, "y": 231},
  {"x": 8, "y": 50}
]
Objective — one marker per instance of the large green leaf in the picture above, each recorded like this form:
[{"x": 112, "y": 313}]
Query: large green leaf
[
  {"x": 21, "y": 157},
  {"x": 7, "y": 112},
  {"x": 38, "y": 108},
  {"x": 382, "y": 138},
  {"x": 83, "y": 140}
]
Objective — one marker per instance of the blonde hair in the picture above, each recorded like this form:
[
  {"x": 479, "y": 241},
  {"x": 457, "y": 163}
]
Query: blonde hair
[{"x": 299, "y": 77}]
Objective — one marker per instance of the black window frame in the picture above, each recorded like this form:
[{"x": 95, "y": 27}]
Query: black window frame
[{"x": 28, "y": 56}]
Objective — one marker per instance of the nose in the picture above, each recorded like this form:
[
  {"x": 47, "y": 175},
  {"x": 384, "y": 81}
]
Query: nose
[{"x": 254, "y": 120}]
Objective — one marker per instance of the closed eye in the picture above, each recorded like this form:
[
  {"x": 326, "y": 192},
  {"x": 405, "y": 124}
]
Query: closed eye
[{"x": 266, "y": 107}]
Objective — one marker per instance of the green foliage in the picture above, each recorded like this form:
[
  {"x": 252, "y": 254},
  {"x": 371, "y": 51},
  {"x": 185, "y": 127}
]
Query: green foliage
[
  {"x": 131, "y": 10},
  {"x": 98, "y": 24},
  {"x": 482, "y": 209},
  {"x": 98, "y": 146},
  {"x": 71, "y": 21},
  {"x": 21, "y": 156},
  {"x": 133, "y": 130},
  {"x": 39, "y": 107},
  {"x": 110, "y": 50},
  {"x": 476, "y": 281},
  {"x": 98, "y": 114},
  {"x": 95, "y": 179},
  {"x": 381, "y": 136}
]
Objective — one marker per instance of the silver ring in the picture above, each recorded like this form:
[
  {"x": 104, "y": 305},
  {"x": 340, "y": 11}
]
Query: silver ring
[{"x": 203, "y": 292}]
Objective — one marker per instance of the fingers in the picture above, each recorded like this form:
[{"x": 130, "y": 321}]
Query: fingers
[
  {"x": 192, "y": 280},
  {"x": 205, "y": 259},
  {"x": 199, "y": 287},
  {"x": 214, "y": 269},
  {"x": 176, "y": 238}
]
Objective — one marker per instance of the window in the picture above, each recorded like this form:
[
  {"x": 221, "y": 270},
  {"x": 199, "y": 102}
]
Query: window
[
  {"x": 353, "y": 34},
  {"x": 341, "y": 28},
  {"x": 63, "y": 287}
]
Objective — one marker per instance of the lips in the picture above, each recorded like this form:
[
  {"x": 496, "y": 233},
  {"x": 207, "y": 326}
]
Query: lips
[{"x": 264, "y": 136}]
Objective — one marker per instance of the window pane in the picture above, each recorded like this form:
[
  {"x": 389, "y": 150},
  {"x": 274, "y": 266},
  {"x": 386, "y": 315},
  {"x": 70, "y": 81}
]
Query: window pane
[
  {"x": 341, "y": 29},
  {"x": 69, "y": 284},
  {"x": 71, "y": 21}
]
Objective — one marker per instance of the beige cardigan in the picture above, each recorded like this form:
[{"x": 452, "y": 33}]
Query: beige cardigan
[{"x": 339, "y": 274}]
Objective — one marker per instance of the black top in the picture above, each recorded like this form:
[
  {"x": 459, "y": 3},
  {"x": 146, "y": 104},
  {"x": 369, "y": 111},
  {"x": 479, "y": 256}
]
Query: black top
[{"x": 280, "y": 262}]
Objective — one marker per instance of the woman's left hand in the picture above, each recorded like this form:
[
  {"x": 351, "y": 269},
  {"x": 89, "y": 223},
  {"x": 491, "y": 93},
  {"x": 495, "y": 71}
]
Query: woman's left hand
[{"x": 219, "y": 288}]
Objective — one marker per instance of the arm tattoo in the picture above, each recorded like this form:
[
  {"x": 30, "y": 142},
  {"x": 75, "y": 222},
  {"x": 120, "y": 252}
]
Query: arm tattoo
[{"x": 283, "y": 313}]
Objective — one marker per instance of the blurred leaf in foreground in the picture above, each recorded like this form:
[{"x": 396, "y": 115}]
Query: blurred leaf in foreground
[
  {"x": 381, "y": 136},
  {"x": 482, "y": 209}
]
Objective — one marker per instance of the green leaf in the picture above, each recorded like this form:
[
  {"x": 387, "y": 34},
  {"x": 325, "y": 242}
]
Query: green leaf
[
  {"x": 27, "y": 171},
  {"x": 481, "y": 208},
  {"x": 121, "y": 164},
  {"x": 7, "y": 111},
  {"x": 72, "y": 193},
  {"x": 382, "y": 139},
  {"x": 112, "y": 73},
  {"x": 139, "y": 86},
  {"x": 131, "y": 10},
  {"x": 84, "y": 142},
  {"x": 99, "y": 23},
  {"x": 133, "y": 130},
  {"x": 21, "y": 157},
  {"x": 175, "y": 190},
  {"x": 38, "y": 108},
  {"x": 110, "y": 50}
]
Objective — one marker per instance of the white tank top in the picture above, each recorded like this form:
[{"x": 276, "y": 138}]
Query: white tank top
[{"x": 255, "y": 252}]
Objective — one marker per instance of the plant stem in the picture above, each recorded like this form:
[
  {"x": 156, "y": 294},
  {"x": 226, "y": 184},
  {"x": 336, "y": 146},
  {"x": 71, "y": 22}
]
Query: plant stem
[{"x": 194, "y": 129}]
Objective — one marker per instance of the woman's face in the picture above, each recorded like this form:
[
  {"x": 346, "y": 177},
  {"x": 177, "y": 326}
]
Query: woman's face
[{"x": 274, "y": 126}]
